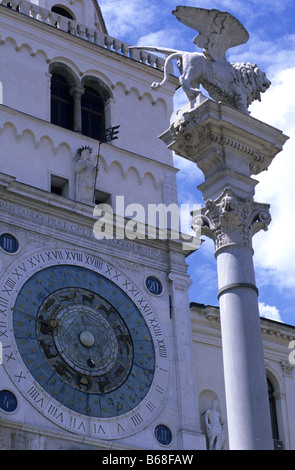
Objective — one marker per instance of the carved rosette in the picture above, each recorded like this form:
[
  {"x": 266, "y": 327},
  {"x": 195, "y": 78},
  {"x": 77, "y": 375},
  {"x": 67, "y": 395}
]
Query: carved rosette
[{"x": 231, "y": 220}]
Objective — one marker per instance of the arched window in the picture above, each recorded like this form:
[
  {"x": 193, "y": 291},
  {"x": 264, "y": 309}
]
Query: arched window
[
  {"x": 61, "y": 102},
  {"x": 62, "y": 11},
  {"x": 93, "y": 113},
  {"x": 81, "y": 106},
  {"x": 273, "y": 411}
]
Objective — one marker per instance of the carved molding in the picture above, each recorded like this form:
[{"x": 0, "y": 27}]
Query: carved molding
[
  {"x": 210, "y": 133},
  {"x": 57, "y": 147},
  {"x": 229, "y": 219},
  {"x": 287, "y": 368},
  {"x": 191, "y": 138}
]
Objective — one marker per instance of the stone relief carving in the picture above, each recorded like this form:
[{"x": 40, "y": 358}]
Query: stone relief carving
[
  {"x": 198, "y": 135},
  {"x": 214, "y": 427},
  {"x": 237, "y": 85},
  {"x": 229, "y": 219},
  {"x": 86, "y": 172},
  {"x": 287, "y": 368},
  {"x": 189, "y": 133}
]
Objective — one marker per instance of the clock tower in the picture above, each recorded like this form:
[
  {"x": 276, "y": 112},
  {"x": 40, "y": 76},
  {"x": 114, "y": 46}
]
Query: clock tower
[{"x": 96, "y": 342}]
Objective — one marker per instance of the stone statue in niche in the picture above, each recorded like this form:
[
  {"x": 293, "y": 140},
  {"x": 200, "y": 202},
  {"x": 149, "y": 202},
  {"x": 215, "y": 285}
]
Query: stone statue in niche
[
  {"x": 86, "y": 173},
  {"x": 237, "y": 85},
  {"x": 214, "y": 427}
]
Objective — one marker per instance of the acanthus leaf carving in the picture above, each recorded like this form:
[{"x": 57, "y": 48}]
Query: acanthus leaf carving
[{"x": 232, "y": 220}]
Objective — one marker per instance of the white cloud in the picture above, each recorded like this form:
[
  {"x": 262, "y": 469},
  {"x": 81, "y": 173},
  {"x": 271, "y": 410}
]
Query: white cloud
[
  {"x": 164, "y": 37},
  {"x": 278, "y": 105},
  {"x": 269, "y": 311},
  {"x": 275, "y": 249},
  {"x": 273, "y": 6},
  {"x": 128, "y": 17}
]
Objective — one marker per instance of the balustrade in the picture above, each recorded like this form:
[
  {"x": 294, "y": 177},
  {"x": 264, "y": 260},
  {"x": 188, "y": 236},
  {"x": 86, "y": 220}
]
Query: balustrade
[{"x": 83, "y": 32}]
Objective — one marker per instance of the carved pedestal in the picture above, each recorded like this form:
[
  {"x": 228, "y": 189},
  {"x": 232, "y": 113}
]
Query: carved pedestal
[{"x": 229, "y": 147}]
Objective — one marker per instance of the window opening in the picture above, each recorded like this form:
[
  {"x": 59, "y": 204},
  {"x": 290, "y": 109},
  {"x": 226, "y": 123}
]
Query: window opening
[
  {"x": 273, "y": 411},
  {"x": 102, "y": 197},
  {"x": 92, "y": 108},
  {"x": 61, "y": 102},
  {"x": 63, "y": 12},
  {"x": 59, "y": 185}
]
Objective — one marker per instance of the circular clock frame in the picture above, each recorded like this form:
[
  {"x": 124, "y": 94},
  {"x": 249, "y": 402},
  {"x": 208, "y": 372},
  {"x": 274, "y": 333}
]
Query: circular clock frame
[{"x": 137, "y": 397}]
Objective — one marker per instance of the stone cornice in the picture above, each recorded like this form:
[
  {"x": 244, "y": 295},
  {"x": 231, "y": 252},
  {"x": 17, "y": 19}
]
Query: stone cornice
[
  {"x": 210, "y": 133},
  {"x": 270, "y": 329},
  {"x": 67, "y": 220},
  {"x": 64, "y": 219},
  {"x": 64, "y": 438}
]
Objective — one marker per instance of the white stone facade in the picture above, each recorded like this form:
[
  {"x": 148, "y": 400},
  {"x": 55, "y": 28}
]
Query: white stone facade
[
  {"x": 55, "y": 231},
  {"x": 25, "y": 114},
  {"x": 279, "y": 370}
]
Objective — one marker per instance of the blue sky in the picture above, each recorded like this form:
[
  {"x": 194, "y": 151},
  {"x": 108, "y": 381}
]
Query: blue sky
[{"x": 272, "y": 46}]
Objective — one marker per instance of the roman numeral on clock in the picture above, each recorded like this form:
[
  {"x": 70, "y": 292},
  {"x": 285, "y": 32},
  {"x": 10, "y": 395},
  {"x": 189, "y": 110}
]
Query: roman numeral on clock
[
  {"x": 36, "y": 396},
  {"x": 3, "y": 305},
  {"x": 136, "y": 419},
  {"x": 150, "y": 406}
]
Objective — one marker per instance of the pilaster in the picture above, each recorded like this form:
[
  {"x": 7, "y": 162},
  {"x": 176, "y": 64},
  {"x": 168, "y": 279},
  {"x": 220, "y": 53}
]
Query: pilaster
[{"x": 189, "y": 435}]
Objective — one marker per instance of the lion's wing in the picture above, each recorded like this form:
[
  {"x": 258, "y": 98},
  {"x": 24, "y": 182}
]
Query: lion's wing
[{"x": 218, "y": 31}]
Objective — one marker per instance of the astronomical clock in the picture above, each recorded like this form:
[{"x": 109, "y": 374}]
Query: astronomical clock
[{"x": 82, "y": 344}]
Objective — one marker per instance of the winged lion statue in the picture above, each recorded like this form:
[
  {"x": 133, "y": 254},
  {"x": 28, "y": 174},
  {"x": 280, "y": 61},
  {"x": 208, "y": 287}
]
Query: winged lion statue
[{"x": 237, "y": 85}]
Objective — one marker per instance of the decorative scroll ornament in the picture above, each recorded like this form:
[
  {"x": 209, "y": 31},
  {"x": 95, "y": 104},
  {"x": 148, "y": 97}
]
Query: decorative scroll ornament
[{"x": 230, "y": 220}]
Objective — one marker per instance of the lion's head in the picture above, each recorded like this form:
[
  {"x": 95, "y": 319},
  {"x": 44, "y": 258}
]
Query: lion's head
[
  {"x": 262, "y": 82},
  {"x": 252, "y": 79}
]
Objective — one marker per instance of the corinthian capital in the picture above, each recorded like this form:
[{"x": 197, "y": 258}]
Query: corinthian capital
[{"x": 232, "y": 220}]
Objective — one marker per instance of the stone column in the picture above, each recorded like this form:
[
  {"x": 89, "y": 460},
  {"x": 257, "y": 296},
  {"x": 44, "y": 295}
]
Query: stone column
[
  {"x": 229, "y": 147},
  {"x": 231, "y": 222},
  {"x": 77, "y": 92}
]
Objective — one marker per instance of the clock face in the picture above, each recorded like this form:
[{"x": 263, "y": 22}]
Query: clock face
[
  {"x": 82, "y": 345},
  {"x": 84, "y": 341}
]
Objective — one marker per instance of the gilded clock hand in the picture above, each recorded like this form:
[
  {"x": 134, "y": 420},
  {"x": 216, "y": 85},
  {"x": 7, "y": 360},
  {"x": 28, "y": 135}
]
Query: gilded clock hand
[{"x": 37, "y": 319}]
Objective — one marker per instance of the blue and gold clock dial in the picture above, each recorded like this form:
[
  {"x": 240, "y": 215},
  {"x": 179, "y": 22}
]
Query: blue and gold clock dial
[{"x": 84, "y": 341}]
